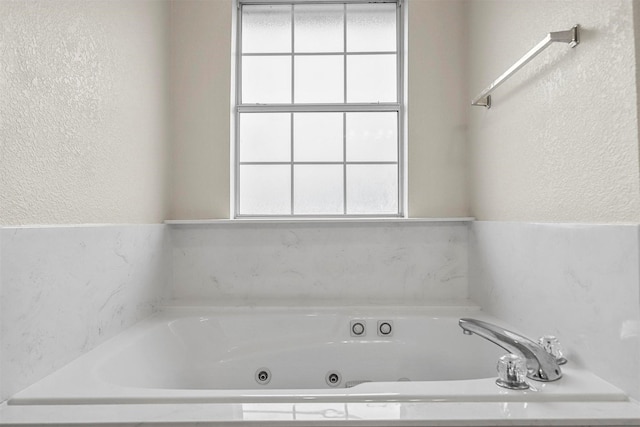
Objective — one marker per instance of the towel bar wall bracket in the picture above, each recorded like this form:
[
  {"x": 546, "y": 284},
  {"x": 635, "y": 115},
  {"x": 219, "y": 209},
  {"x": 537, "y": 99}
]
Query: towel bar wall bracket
[{"x": 571, "y": 36}]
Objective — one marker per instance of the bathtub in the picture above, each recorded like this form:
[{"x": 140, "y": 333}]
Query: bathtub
[{"x": 292, "y": 355}]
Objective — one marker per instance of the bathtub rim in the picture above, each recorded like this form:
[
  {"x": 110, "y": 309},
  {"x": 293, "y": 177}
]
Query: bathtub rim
[{"x": 478, "y": 390}]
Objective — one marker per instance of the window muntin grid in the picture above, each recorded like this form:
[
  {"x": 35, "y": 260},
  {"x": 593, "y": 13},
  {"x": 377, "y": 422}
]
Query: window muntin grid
[{"x": 303, "y": 87}]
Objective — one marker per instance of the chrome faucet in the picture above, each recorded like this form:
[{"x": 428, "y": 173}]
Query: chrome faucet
[{"x": 541, "y": 365}]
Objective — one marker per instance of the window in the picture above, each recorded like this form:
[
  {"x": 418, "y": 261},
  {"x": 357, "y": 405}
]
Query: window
[{"x": 319, "y": 109}]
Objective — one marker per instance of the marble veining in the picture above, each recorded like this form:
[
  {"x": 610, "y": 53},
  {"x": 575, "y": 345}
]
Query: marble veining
[
  {"x": 373, "y": 263},
  {"x": 67, "y": 289},
  {"x": 2, "y": 396},
  {"x": 579, "y": 282}
]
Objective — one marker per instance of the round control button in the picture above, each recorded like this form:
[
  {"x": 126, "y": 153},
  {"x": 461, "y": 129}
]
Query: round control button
[
  {"x": 385, "y": 328},
  {"x": 357, "y": 328}
]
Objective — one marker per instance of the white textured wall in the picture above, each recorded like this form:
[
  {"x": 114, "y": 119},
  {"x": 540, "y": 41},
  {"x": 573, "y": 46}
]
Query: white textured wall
[
  {"x": 437, "y": 108},
  {"x": 200, "y": 97},
  {"x": 201, "y": 57},
  {"x": 560, "y": 143},
  {"x": 82, "y": 117}
]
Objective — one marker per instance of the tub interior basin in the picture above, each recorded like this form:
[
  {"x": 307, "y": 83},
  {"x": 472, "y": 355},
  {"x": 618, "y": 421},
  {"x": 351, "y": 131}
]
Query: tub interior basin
[
  {"x": 282, "y": 351},
  {"x": 299, "y": 355}
]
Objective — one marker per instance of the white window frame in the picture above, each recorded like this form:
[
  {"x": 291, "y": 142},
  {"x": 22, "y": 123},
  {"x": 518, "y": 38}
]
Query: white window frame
[{"x": 397, "y": 107}]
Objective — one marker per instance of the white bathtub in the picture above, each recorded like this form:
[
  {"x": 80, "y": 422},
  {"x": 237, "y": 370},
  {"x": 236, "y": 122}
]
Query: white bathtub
[{"x": 212, "y": 356}]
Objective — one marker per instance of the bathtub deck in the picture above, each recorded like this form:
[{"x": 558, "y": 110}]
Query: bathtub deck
[{"x": 331, "y": 414}]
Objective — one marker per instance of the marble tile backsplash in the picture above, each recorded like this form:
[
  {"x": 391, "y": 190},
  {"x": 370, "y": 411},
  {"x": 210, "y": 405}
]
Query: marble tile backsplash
[
  {"x": 325, "y": 263},
  {"x": 2, "y": 394},
  {"x": 64, "y": 290},
  {"x": 67, "y": 289},
  {"x": 578, "y": 282}
]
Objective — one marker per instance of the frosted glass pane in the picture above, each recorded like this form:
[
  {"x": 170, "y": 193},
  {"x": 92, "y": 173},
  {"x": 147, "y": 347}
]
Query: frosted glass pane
[
  {"x": 371, "y": 78},
  {"x": 371, "y": 27},
  {"x": 372, "y": 137},
  {"x": 318, "y": 189},
  {"x": 265, "y": 190},
  {"x": 265, "y": 137},
  {"x": 319, "y": 79},
  {"x": 266, "y": 79},
  {"x": 266, "y": 29},
  {"x": 317, "y": 137},
  {"x": 372, "y": 189},
  {"x": 319, "y": 28}
]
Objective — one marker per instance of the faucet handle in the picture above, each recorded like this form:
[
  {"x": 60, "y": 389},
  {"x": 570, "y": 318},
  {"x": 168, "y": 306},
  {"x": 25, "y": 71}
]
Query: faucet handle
[
  {"x": 552, "y": 345},
  {"x": 512, "y": 371}
]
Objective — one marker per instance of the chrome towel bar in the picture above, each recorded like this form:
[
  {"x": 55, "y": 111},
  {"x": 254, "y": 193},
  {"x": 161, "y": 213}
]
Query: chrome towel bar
[{"x": 570, "y": 36}]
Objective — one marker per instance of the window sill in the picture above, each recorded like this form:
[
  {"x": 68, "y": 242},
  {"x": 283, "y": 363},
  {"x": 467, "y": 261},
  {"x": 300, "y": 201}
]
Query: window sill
[{"x": 195, "y": 222}]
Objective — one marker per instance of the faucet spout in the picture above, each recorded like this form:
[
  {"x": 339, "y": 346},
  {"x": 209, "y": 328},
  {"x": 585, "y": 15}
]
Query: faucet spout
[{"x": 541, "y": 366}]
